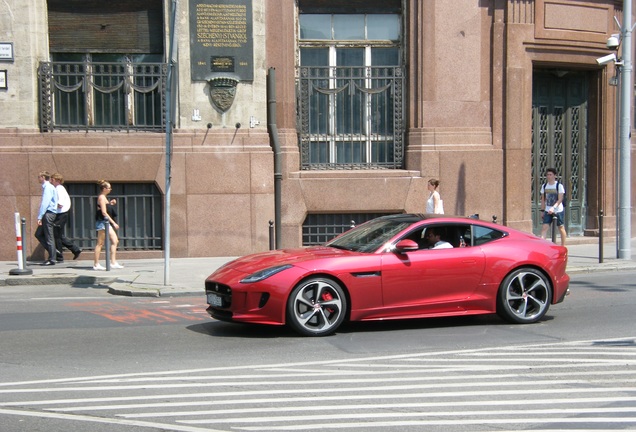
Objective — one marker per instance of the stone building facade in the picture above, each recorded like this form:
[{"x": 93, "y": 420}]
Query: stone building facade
[{"x": 371, "y": 99}]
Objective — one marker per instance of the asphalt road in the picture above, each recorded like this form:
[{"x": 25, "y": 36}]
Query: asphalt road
[{"x": 79, "y": 359}]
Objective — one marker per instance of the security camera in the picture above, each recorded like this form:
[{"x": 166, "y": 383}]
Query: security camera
[
  {"x": 606, "y": 59},
  {"x": 613, "y": 42}
]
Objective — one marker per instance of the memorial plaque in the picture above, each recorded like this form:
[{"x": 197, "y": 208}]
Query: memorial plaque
[
  {"x": 221, "y": 39},
  {"x": 222, "y": 64}
]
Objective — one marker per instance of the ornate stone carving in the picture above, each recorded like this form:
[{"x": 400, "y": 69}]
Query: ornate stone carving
[{"x": 222, "y": 92}]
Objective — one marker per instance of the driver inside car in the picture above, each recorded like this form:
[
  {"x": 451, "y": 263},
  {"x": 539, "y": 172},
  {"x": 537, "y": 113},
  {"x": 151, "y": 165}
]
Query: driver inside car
[{"x": 434, "y": 240}]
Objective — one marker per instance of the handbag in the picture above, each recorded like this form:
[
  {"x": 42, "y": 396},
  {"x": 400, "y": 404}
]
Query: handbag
[{"x": 440, "y": 207}]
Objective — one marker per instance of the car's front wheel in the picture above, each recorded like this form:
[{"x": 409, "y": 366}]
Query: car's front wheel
[
  {"x": 524, "y": 296},
  {"x": 316, "y": 307}
]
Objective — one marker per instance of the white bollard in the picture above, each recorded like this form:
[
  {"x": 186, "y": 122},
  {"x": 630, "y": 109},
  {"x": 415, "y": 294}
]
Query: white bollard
[
  {"x": 18, "y": 240},
  {"x": 21, "y": 270}
]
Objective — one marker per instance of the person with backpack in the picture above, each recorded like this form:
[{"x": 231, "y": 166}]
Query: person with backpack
[{"x": 552, "y": 194}]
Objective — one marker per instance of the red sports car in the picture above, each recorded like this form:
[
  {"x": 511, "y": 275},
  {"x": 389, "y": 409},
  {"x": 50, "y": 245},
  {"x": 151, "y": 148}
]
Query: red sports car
[{"x": 394, "y": 267}]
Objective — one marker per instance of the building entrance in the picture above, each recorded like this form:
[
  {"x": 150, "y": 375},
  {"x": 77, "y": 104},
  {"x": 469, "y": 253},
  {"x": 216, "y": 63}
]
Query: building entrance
[{"x": 559, "y": 140}]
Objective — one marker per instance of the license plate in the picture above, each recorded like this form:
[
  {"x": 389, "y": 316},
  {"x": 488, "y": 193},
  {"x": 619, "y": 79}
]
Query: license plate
[{"x": 215, "y": 300}]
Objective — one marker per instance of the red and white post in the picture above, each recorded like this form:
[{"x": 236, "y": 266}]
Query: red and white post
[
  {"x": 18, "y": 240},
  {"x": 21, "y": 270}
]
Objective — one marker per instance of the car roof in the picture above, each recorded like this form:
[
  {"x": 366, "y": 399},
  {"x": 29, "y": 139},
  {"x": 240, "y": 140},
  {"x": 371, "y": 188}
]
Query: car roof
[{"x": 416, "y": 217}]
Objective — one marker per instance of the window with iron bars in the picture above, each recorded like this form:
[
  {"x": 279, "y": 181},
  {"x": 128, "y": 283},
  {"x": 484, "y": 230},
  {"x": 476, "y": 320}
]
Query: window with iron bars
[
  {"x": 350, "y": 92},
  {"x": 102, "y": 92},
  {"x": 320, "y": 228},
  {"x": 139, "y": 215}
]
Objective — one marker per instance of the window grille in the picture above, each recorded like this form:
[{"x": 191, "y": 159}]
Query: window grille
[
  {"x": 351, "y": 117},
  {"x": 320, "y": 228},
  {"x": 91, "y": 95},
  {"x": 139, "y": 215}
]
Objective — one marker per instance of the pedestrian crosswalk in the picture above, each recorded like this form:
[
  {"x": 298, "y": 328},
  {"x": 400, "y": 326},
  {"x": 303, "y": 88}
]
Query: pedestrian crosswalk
[{"x": 585, "y": 385}]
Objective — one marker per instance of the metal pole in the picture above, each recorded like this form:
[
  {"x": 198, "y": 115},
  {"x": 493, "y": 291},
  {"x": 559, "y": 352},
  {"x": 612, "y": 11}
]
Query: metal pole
[
  {"x": 600, "y": 236},
  {"x": 24, "y": 246},
  {"x": 553, "y": 227},
  {"x": 170, "y": 115},
  {"x": 272, "y": 244},
  {"x": 617, "y": 145},
  {"x": 107, "y": 243},
  {"x": 624, "y": 231}
]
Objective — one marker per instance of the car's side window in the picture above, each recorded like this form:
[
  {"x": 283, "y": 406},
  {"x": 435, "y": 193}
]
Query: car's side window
[
  {"x": 418, "y": 237},
  {"x": 458, "y": 235},
  {"x": 441, "y": 236},
  {"x": 468, "y": 236},
  {"x": 454, "y": 234},
  {"x": 483, "y": 234}
]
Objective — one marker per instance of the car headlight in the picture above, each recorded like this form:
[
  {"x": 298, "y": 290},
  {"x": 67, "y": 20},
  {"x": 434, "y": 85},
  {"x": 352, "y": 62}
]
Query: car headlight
[{"x": 264, "y": 274}]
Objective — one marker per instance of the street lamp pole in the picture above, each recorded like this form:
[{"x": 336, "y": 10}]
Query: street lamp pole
[
  {"x": 624, "y": 188},
  {"x": 170, "y": 118}
]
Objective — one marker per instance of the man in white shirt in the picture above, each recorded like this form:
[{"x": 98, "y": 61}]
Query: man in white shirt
[
  {"x": 63, "y": 207},
  {"x": 46, "y": 217},
  {"x": 552, "y": 193},
  {"x": 434, "y": 239}
]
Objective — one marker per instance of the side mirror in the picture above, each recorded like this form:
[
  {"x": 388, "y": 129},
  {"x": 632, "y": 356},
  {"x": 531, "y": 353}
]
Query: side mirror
[{"x": 406, "y": 246}]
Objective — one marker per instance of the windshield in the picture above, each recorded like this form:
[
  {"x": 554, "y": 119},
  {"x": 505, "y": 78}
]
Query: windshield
[{"x": 370, "y": 236}]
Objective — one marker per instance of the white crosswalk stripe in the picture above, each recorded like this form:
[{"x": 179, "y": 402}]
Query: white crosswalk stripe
[{"x": 587, "y": 385}]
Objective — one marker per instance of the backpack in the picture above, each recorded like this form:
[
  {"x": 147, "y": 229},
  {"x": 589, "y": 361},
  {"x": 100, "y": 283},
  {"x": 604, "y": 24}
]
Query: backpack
[{"x": 564, "y": 202}]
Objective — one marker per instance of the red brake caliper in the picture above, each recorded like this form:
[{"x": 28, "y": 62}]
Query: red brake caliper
[{"x": 326, "y": 296}]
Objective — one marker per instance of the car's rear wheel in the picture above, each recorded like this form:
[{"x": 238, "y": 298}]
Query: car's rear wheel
[
  {"x": 524, "y": 296},
  {"x": 316, "y": 307}
]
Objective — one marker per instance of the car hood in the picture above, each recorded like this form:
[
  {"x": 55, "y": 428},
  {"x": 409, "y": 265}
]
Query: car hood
[{"x": 259, "y": 261}]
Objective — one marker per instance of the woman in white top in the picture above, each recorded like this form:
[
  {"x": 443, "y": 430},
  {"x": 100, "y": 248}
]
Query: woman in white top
[{"x": 434, "y": 204}]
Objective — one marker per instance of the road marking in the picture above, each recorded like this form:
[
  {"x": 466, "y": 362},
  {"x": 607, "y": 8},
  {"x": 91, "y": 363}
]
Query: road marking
[
  {"x": 159, "y": 426},
  {"x": 343, "y": 407},
  {"x": 137, "y": 315},
  {"x": 387, "y": 415},
  {"x": 347, "y": 362},
  {"x": 58, "y": 298},
  {"x": 492, "y": 382},
  {"x": 367, "y": 425}
]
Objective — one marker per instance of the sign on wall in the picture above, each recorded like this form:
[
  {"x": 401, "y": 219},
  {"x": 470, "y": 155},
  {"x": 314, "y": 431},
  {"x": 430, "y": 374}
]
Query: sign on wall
[
  {"x": 6, "y": 51},
  {"x": 221, "y": 39}
]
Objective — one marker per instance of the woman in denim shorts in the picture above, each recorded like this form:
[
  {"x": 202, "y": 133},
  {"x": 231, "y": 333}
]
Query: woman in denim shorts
[{"x": 106, "y": 212}]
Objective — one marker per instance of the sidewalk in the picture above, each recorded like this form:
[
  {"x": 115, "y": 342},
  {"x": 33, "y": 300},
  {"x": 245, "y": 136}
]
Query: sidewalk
[{"x": 186, "y": 276}]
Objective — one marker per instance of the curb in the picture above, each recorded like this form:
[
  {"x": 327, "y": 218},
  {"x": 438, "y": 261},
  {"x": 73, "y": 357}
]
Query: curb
[
  {"x": 125, "y": 289},
  {"x": 115, "y": 285},
  {"x": 57, "y": 279},
  {"x": 601, "y": 268},
  {"x": 122, "y": 287}
]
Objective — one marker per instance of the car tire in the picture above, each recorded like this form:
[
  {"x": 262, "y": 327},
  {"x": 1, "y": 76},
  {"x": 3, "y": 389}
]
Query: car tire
[
  {"x": 310, "y": 316},
  {"x": 524, "y": 296}
]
